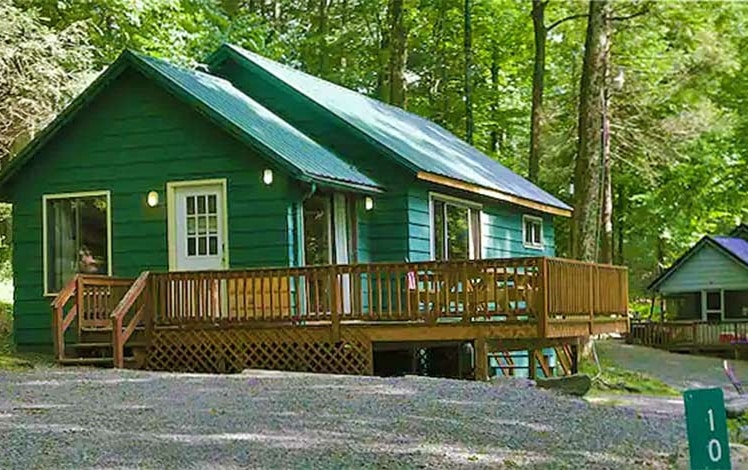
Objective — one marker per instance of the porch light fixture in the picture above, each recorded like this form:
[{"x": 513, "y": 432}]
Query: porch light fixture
[
  {"x": 267, "y": 176},
  {"x": 368, "y": 203},
  {"x": 152, "y": 199}
]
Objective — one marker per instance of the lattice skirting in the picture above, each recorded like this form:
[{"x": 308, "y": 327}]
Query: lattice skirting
[{"x": 215, "y": 350}]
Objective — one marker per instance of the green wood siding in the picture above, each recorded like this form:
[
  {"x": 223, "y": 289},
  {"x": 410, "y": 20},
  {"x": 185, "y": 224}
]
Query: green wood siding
[
  {"x": 501, "y": 226},
  {"x": 708, "y": 268},
  {"x": 134, "y": 138},
  {"x": 502, "y": 233}
]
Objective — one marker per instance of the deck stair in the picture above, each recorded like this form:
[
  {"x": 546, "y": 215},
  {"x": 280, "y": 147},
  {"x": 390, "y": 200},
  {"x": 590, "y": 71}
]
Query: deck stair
[{"x": 95, "y": 348}]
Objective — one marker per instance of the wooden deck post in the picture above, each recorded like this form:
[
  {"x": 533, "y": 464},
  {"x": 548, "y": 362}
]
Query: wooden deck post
[
  {"x": 532, "y": 365},
  {"x": 335, "y": 311},
  {"x": 543, "y": 310},
  {"x": 481, "y": 359}
]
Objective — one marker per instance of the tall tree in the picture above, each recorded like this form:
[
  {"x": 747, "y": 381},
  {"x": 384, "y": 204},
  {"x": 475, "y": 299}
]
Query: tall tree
[
  {"x": 587, "y": 163},
  {"x": 469, "y": 125},
  {"x": 394, "y": 49},
  {"x": 540, "y": 31}
]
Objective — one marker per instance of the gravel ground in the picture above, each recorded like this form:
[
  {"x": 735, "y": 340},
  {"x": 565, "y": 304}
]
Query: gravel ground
[
  {"x": 83, "y": 418},
  {"x": 680, "y": 371}
]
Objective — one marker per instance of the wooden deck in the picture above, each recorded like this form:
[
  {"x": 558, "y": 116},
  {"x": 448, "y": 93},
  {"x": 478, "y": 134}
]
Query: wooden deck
[
  {"x": 334, "y": 318},
  {"x": 727, "y": 337}
]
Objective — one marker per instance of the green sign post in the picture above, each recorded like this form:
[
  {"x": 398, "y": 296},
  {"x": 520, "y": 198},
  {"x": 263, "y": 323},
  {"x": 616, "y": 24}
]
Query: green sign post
[{"x": 706, "y": 424}]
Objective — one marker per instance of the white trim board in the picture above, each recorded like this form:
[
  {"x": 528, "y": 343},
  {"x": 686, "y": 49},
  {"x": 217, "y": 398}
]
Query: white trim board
[{"x": 533, "y": 218}]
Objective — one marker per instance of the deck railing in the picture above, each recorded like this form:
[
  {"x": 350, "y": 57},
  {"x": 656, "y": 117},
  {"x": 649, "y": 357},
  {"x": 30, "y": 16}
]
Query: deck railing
[
  {"x": 688, "y": 333},
  {"x": 561, "y": 297},
  {"x": 509, "y": 290}
]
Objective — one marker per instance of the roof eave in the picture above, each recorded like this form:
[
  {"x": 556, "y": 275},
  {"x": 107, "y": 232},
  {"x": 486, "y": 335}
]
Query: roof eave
[{"x": 494, "y": 194}]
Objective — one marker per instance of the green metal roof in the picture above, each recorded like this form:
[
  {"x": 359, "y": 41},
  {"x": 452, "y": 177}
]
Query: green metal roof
[
  {"x": 415, "y": 142},
  {"x": 232, "y": 110}
]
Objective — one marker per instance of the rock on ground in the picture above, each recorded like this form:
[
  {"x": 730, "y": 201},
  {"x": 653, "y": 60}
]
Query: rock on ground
[
  {"x": 577, "y": 384},
  {"x": 79, "y": 418}
]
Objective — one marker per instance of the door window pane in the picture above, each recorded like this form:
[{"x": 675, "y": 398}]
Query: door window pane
[
  {"x": 456, "y": 231},
  {"x": 77, "y": 238},
  {"x": 317, "y": 226},
  {"x": 202, "y": 225},
  {"x": 713, "y": 301},
  {"x": 438, "y": 224},
  {"x": 458, "y": 235}
]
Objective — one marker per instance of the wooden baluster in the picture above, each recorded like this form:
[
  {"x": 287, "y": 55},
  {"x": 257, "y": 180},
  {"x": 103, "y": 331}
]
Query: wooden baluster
[
  {"x": 370, "y": 293},
  {"x": 399, "y": 289},
  {"x": 388, "y": 273},
  {"x": 334, "y": 280},
  {"x": 467, "y": 314},
  {"x": 380, "y": 304}
]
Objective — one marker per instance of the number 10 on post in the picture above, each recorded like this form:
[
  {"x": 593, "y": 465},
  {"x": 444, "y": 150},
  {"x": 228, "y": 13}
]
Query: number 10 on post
[{"x": 707, "y": 429}]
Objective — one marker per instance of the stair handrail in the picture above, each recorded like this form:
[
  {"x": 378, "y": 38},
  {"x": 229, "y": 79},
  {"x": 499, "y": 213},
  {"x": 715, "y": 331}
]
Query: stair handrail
[
  {"x": 60, "y": 321},
  {"x": 120, "y": 337}
]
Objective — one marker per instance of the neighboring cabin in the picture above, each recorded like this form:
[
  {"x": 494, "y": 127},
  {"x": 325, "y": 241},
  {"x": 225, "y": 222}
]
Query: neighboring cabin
[
  {"x": 157, "y": 167},
  {"x": 710, "y": 281}
]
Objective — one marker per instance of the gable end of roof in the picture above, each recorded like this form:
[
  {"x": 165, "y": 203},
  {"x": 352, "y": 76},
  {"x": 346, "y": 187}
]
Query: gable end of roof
[{"x": 737, "y": 254}]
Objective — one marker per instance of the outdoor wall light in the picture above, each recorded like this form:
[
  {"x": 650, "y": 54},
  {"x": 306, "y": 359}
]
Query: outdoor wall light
[
  {"x": 368, "y": 203},
  {"x": 152, "y": 199},
  {"x": 267, "y": 176}
]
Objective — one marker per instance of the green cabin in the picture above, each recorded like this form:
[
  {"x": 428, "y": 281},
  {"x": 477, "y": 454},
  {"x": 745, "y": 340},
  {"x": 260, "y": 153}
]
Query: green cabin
[
  {"x": 249, "y": 164},
  {"x": 709, "y": 282}
]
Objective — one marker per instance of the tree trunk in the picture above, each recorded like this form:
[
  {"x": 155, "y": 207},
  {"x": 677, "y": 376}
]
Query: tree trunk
[
  {"x": 494, "y": 138},
  {"x": 321, "y": 33},
  {"x": 538, "y": 76},
  {"x": 587, "y": 165},
  {"x": 398, "y": 53},
  {"x": 620, "y": 226},
  {"x": 468, "y": 74},
  {"x": 606, "y": 242}
]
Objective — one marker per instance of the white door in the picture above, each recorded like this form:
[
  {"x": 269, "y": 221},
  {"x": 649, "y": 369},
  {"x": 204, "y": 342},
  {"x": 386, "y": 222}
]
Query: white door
[{"x": 199, "y": 225}]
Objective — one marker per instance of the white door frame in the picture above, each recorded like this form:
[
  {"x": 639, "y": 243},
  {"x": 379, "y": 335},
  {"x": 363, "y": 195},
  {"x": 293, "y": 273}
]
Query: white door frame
[
  {"x": 705, "y": 311},
  {"x": 171, "y": 192},
  {"x": 341, "y": 235}
]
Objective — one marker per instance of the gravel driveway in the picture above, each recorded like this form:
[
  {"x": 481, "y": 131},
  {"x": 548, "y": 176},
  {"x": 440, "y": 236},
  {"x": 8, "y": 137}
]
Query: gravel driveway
[{"x": 79, "y": 418}]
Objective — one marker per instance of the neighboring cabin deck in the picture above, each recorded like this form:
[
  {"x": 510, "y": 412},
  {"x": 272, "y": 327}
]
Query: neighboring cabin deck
[
  {"x": 335, "y": 318},
  {"x": 693, "y": 336}
]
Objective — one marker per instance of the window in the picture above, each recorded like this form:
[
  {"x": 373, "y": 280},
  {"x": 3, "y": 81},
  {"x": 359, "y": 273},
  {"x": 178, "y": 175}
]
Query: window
[
  {"x": 76, "y": 237},
  {"x": 532, "y": 231},
  {"x": 202, "y": 225},
  {"x": 455, "y": 229}
]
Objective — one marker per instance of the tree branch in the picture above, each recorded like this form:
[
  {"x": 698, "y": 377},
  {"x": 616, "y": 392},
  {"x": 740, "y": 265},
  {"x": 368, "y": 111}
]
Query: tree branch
[
  {"x": 641, "y": 12},
  {"x": 564, "y": 20}
]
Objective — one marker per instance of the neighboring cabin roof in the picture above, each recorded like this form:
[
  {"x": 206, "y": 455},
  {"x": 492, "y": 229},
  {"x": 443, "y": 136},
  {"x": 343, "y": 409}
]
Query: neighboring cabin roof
[
  {"x": 735, "y": 248},
  {"x": 233, "y": 111},
  {"x": 424, "y": 147}
]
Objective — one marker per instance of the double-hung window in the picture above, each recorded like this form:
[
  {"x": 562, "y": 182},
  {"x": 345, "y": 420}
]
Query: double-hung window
[
  {"x": 77, "y": 236},
  {"x": 455, "y": 229},
  {"x": 532, "y": 232}
]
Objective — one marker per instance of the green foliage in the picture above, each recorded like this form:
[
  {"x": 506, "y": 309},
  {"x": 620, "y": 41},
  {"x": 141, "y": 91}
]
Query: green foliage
[
  {"x": 679, "y": 123},
  {"x": 9, "y": 358},
  {"x": 614, "y": 379}
]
